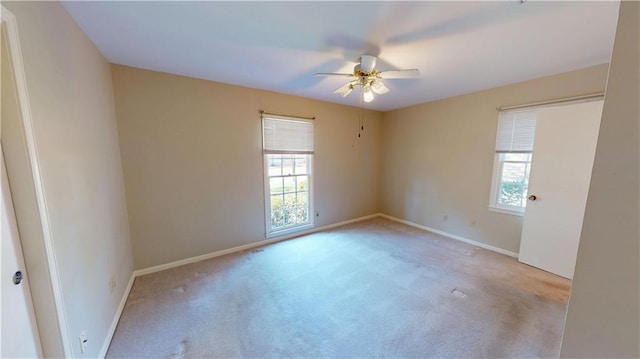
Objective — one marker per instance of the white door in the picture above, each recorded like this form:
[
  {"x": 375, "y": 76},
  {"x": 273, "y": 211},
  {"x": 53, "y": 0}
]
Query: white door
[
  {"x": 563, "y": 153},
  {"x": 19, "y": 331}
]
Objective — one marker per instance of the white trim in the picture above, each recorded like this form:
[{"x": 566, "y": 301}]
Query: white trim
[
  {"x": 453, "y": 236},
  {"x": 506, "y": 211},
  {"x": 289, "y": 230},
  {"x": 493, "y": 193},
  {"x": 281, "y": 152},
  {"x": 557, "y": 102},
  {"x": 32, "y": 149},
  {"x": 246, "y": 246},
  {"x": 275, "y": 116},
  {"x": 116, "y": 318}
]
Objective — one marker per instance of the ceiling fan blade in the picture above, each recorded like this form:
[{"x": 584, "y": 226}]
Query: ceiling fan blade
[
  {"x": 378, "y": 87},
  {"x": 399, "y": 74},
  {"x": 333, "y": 74},
  {"x": 345, "y": 89},
  {"x": 367, "y": 63}
]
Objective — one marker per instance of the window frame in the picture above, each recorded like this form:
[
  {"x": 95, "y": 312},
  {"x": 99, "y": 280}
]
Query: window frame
[
  {"x": 521, "y": 141},
  {"x": 498, "y": 165},
  {"x": 279, "y": 231},
  {"x": 270, "y": 231}
]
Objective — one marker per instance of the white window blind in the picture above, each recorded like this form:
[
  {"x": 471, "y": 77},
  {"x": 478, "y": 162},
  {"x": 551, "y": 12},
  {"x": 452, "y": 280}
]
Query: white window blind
[
  {"x": 516, "y": 130},
  {"x": 287, "y": 135}
]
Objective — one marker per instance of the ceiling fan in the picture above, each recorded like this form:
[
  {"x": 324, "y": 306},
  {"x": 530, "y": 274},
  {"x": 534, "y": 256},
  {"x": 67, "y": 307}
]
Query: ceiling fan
[{"x": 369, "y": 78}]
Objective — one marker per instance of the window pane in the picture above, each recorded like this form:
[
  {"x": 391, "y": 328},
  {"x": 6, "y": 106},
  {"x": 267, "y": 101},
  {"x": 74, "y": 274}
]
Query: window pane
[
  {"x": 277, "y": 213},
  {"x": 303, "y": 203},
  {"x": 289, "y": 184},
  {"x": 303, "y": 183},
  {"x": 290, "y": 200},
  {"x": 276, "y": 203},
  {"x": 513, "y": 171},
  {"x": 301, "y": 165},
  {"x": 287, "y": 165},
  {"x": 516, "y": 156},
  {"x": 302, "y": 214},
  {"x": 513, "y": 184},
  {"x": 289, "y": 208},
  {"x": 274, "y": 163},
  {"x": 276, "y": 185},
  {"x": 302, "y": 210},
  {"x": 277, "y": 219}
]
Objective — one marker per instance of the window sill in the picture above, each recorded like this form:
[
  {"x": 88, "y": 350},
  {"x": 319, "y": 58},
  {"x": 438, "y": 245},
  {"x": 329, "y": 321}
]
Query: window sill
[
  {"x": 512, "y": 212},
  {"x": 290, "y": 230}
]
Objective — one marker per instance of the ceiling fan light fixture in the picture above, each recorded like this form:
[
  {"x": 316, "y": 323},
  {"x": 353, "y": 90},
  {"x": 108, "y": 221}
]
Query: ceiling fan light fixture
[
  {"x": 367, "y": 94},
  {"x": 345, "y": 90},
  {"x": 369, "y": 78},
  {"x": 378, "y": 87}
]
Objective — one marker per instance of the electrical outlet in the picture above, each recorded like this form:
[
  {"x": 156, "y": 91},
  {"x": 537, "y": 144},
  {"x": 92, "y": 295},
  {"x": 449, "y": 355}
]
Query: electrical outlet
[
  {"x": 83, "y": 342},
  {"x": 112, "y": 284}
]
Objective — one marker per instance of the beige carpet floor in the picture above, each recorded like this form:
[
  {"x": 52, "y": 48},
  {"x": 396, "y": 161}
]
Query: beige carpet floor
[{"x": 375, "y": 288}]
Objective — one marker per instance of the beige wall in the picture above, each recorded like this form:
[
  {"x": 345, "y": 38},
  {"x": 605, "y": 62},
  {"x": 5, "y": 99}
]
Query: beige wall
[
  {"x": 71, "y": 98},
  {"x": 603, "y": 316},
  {"x": 192, "y": 159},
  {"x": 438, "y": 157}
]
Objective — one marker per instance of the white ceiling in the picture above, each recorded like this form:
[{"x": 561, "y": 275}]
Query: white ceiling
[{"x": 459, "y": 47}]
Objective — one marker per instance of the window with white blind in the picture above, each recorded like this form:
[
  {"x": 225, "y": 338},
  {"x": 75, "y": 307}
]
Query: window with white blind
[
  {"x": 512, "y": 163},
  {"x": 288, "y": 168}
]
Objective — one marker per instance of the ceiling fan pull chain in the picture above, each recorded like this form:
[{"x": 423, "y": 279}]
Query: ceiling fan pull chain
[{"x": 360, "y": 118}]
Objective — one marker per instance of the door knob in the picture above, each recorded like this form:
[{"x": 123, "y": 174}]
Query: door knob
[
  {"x": 17, "y": 278},
  {"x": 533, "y": 197}
]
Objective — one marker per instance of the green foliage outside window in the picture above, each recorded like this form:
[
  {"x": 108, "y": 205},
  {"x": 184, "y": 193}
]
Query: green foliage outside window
[
  {"x": 289, "y": 209},
  {"x": 512, "y": 193}
]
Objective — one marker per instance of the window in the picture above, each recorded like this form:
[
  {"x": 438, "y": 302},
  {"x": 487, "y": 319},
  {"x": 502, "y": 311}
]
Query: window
[
  {"x": 512, "y": 164},
  {"x": 288, "y": 164}
]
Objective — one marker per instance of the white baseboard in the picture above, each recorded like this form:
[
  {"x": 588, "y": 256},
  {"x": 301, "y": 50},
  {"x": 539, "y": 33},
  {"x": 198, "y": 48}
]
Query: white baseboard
[
  {"x": 453, "y": 236},
  {"x": 245, "y": 247},
  {"x": 116, "y": 317}
]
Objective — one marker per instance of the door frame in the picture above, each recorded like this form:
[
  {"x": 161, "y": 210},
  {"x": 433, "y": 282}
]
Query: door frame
[{"x": 49, "y": 308}]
